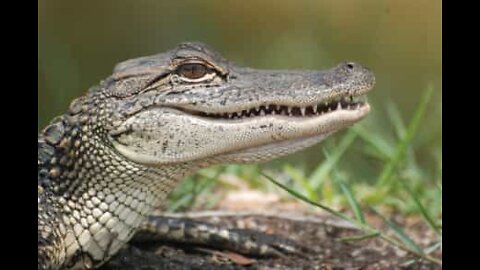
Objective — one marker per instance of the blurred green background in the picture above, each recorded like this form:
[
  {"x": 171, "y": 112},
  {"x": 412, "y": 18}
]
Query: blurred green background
[{"x": 79, "y": 42}]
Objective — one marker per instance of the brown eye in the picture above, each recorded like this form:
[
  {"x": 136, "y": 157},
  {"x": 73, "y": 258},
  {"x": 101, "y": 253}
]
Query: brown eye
[{"x": 192, "y": 70}]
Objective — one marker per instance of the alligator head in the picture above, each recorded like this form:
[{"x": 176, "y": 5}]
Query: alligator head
[{"x": 192, "y": 105}]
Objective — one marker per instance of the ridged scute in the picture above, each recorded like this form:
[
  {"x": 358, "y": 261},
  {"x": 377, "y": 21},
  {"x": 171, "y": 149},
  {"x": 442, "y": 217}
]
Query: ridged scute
[
  {"x": 45, "y": 152},
  {"x": 54, "y": 132}
]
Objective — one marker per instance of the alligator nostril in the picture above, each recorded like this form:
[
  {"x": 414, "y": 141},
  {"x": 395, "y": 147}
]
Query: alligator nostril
[{"x": 350, "y": 65}]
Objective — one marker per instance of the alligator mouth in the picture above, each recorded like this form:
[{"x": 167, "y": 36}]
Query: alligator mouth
[
  {"x": 259, "y": 132},
  {"x": 343, "y": 103}
]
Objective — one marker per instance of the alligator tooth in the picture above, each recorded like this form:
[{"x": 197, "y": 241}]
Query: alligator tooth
[
  {"x": 339, "y": 105},
  {"x": 314, "y": 108},
  {"x": 303, "y": 111},
  {"x": 262, "y": 113},
  {"x": 277, "y": 110},
  {"x": 289, "y": 110},
  {"x": 329, "y": 109}
]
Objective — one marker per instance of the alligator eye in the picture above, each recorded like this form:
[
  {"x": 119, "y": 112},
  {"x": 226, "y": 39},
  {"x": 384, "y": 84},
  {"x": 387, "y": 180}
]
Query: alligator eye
[{"x": 192, "y": 70}]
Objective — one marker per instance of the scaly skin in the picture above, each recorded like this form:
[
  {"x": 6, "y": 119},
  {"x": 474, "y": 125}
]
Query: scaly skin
[{"x": 117, "y": 153}]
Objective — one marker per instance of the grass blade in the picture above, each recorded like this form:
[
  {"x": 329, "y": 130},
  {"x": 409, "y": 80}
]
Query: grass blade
[
  {"x": 305, "y": 199},
  {"x": 379, "y": 144},
  {"x": 422, "y": 209},
  {"x": 360, "y": 237},
  {"x": 402, "y": 146},
  {"x": 298, "y": 177},
  {"x": 396, "y": 119},
  {"x": 400, "y": 233},
  {"x": 428, "y": 250},
  {"x": 326, "y": 167},
  {"x": 357, "y": 210}
]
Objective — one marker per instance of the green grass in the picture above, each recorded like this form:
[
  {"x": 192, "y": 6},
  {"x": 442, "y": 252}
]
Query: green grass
[{"x": 391, "y": 177}]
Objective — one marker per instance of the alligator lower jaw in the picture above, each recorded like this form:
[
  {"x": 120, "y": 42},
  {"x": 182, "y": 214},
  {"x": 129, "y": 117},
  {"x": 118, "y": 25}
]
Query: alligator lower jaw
[
  {"x": 288, "y": 111},
  {"x": 266, "y": 152}
]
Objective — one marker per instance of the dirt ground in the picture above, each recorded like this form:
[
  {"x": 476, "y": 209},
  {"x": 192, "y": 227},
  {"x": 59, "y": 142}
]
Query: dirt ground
[
  {"x": 320, "y": 234},
  {"x": 318, "y": 231}
]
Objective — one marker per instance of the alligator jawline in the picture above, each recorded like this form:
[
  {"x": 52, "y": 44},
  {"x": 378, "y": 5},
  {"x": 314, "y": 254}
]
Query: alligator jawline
[{"x": 348, "y": 103}]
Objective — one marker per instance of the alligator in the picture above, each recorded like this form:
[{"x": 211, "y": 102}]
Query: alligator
[{"x": 107, "y": 163}]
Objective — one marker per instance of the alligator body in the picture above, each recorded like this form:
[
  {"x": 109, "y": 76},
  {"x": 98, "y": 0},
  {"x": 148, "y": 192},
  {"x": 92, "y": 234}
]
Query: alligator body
[{"x": 119, "y": 150}]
